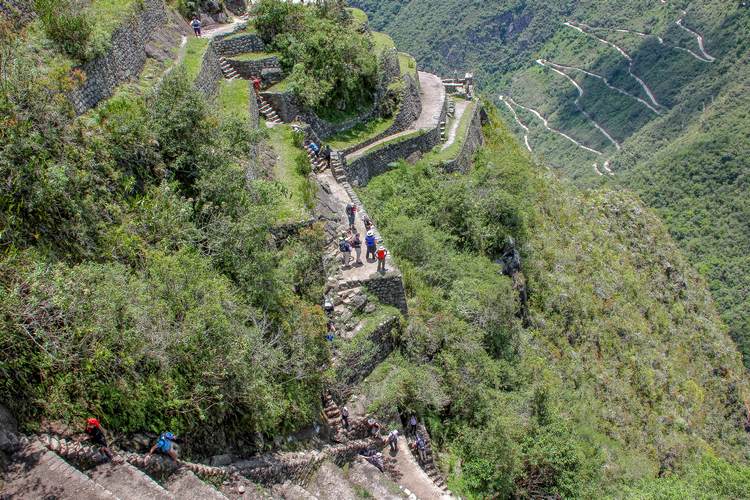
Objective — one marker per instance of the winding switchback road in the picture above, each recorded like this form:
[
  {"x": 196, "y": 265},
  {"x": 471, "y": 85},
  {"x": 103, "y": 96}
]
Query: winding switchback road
[
  {"x": 706, "y": 56},
  {"x": 577, "y": 101},
  {"x": 519, "y": 122}
]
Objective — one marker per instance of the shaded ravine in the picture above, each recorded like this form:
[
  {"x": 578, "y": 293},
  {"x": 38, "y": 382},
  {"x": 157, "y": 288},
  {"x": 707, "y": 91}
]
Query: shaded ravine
[
  {"x": 605, "y": 81},
  {"x": 547, "y": 126},
  {"x": 519, "y": 122},
  {"x": 577, "y": 102},
  {"x": 580, "y": 27}
]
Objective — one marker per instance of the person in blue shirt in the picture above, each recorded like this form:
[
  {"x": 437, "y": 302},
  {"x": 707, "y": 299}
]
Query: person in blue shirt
[
  {"x": 371, "y": 244},
  {"x": 165, "y": 446}
]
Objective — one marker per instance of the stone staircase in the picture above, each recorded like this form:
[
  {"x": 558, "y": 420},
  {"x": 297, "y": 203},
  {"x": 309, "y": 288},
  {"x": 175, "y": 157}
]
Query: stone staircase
[
  {"x": 451, "y": 108},
  {"x": 227, "y": 70},
  {"x": 429, "y": 465},
  {"x": 267, "y": 111},
  {"x": 443, "y": 135},
  {"x": 332, "y": 414},
  {"x": 337, "y": 167},
  {"x": 317, "y": 161}
]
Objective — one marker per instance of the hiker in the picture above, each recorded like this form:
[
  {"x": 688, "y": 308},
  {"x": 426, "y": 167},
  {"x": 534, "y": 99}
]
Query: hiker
[
  {"x": 374, "y": 427},
  {"x": 367, "y": 222},
  {"x": 413, "y": 425},
  {"x": 346, "y": 251},
  {"x": 327, "y": 155},
  {"x": 314, "y": 148},
  {"x": 256, "y": 85},
  {"x": 422, "y": 449},
  {"x": 381, "y": 254},
  {"x": 196, "y": 24},
  {"x": 331, "y": 331},
  {"x": 345, "y": 417},
  {"x": 165, "y": 446},
  {"x": 370, "y": 243},
  {"x": 351, "y": 212},
  {"x": 356, "y": 244},
  {"x": 393, "y": 440},
  {"x": 96, "y": 435}
]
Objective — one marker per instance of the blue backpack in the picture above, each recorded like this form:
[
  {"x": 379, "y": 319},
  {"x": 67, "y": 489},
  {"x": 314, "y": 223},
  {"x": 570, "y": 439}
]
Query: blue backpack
[
  {"x": 344, "y": 246},
  {"x": 370, "y": 241}
]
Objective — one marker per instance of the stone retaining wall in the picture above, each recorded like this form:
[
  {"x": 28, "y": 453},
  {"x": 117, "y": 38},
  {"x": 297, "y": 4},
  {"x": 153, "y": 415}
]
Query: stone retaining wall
[
  {"x": 253, "y": 107},
  {"x": 207, "y": 81},
  {"x": 254, "y": 68},
  {"x": 240, "y": 44},
  {"x": 389, "y": 289},
  {"x": 125, "y": 58},
  {"x": 472, "y": 141},
  {"x": 409, "y": 110}
]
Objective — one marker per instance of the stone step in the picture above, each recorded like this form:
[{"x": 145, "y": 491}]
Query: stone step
[
  {"x": 187, "y": 486},
  {"x": 126, "y": 481},
  {"x": 40, "y": 473}
]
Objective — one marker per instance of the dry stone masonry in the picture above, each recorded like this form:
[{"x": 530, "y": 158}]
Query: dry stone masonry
[{"x": 240, "y": 44}]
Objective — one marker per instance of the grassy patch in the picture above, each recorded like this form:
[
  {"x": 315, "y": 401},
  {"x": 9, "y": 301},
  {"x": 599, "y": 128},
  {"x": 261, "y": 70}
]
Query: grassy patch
[
  {"x": 234, "y": 96},
  {"x": 382, "y": 42},
  {"x": 360, "y": 133},
  {"x": 253, "y": 56},
  {"x": 396, "y": 140},
  {"x": 250, "y": 30},
  {"x": 450, "y": 152},
  {"x": 196, "y": 48},
  {"x": 360, "y": 17},
  {"x": 408, "y": 64},
  {"x": 282, "y": 86},
  {"x": 298, "y": 201}
]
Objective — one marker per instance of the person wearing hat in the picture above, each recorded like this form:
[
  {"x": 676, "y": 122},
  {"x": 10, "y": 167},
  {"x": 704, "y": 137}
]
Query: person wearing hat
[
  {"x": 164, "y": 445},
  {"x": 370, "y": 244},
  {"x": 356, "y": 244},
  {"x": 380, "y": 254},
  {"x": 96, "y": 435},
  {"x": 346, "y": 250}
]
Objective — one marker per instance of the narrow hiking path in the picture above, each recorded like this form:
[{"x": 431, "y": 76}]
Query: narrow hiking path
[
  {"x": 413, "y": 477},
  {"x": 519, "y": 122},
  {"x": 582, "y": 28},
  {"x": 222, "y": 29},
  {"x": 577, "y": 102},
  {"x": 546, "y": 124},
  {"x": 460, "y": 108},
  {"x": 706, "y": 56},
  {"x": 605, "y": 81},
  {"x": 178, "y": 60},
  {"x": 432, "y": 95}
]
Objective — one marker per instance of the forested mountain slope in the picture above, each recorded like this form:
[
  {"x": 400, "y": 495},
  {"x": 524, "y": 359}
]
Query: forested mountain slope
[{"x": 647, "y": 95}]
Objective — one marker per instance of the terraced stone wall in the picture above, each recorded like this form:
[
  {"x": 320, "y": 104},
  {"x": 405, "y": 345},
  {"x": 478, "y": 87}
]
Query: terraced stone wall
[
  {"x": 389, "y": 289},
  {"x": 254, "y": 68},
  {"x": 240, "y": 45},
  {"x": 207, "y": 81},
  {"x": 253, "y": 108},
  {"x": 125, "y": 58},
  {"x": 471, "y": 142}
]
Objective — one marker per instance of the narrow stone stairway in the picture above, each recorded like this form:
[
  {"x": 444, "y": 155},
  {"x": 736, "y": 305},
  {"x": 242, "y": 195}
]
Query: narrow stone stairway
[
  {"x": 317, "y": 161},
  {"x": 429, "y": 465},
  {"x": 125, "y": 481},
  {"x": 267, "y": 111},
  {"x": 227, "y": 70},
  {"x": 187, "y": 486}
]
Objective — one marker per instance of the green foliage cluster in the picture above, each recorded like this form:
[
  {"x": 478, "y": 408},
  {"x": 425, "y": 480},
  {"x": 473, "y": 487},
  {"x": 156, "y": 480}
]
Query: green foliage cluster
[
  {"x": 139, "y": 280},
  {"x": 66, "y": 25},
  {"x": 612, "y": 380},
  {"x": 332, "y": 66}
]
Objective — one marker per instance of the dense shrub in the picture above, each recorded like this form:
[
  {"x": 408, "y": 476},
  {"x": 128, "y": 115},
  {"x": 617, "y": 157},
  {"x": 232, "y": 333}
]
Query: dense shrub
[{"x": 66, "y": 23}]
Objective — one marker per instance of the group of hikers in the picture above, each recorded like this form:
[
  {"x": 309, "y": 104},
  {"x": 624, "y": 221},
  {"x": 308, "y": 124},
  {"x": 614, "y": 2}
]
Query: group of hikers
[
  {"x": 164, "y": 445},
  {"x": 420, "y": 444},
  {"x": 350, "y": 240}
]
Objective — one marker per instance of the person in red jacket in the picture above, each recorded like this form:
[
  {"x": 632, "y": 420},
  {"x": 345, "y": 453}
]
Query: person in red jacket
[
  {"x": 256, "y": 85},
  {"x": 381, "y": 254},
  {"x": 96, "y": 435}
]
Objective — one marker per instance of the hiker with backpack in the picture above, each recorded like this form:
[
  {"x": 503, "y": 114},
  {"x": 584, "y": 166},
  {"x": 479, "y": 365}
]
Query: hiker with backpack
[
  {"x": 422, "y": 449},
  {"x": 345, "y": 417},
  {"x": 256, "y": 85},
  {"x": 371, "y": 245},
  {"x": 196, "y": 24},
  {"x": 356, "y": 244},
  {"x": 351, "y": 212},
  {"x": 381, "y": 254},
  {"x": 393, "y": 440},
  {"x": 96, "y": 434},
  {"x": 165, "y": 446},
  {"x": 346, "y": 251}
]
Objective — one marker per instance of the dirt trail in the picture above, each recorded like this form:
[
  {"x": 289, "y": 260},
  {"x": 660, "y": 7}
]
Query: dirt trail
[
  {"x": 577, "y": 102},
  {"x": 519, "y": 122},
  {"x": 413, "y": 477},
  {"x": 461, "y": 106},
  {"x": 583, "y": 29},
  {"x": 551, "y": 129},
  {"x": 706, "y": 56},
  {"x": 606, "y": 82}
]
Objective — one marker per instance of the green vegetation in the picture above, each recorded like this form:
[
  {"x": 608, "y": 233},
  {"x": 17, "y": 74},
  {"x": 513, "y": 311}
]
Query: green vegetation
[
  {"x": 408, "y": 65},
  {"x": 331, "y": 66},
  {"x": 291, "y": 170},
  {"x": 196, "y": 48},
  {"x": 577, "y": 402},
  {"x": 254, "y": 56},
  {"x": 282, "y": 86},
  {"x": 382, "y": 42},
  {"x": 139, "y": 282},
  {"x": 358, "y": 15},
  {"x": 360, "y": 133},
  {"x": 441, "y": 155},
  {"x": 234, "y": 97},
  {"x": 249, "y": 30},
  {"x": 687, "y": 162}
]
